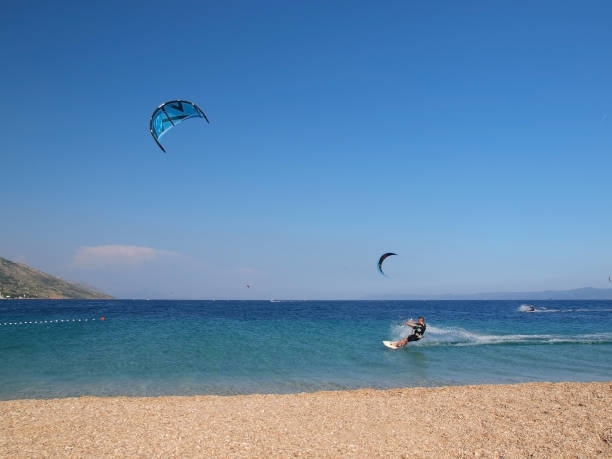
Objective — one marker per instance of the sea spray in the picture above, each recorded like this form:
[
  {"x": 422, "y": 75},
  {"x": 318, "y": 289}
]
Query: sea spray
[
  {"x": 399, "y": 331},
  {"x": 456, "y": 336}
]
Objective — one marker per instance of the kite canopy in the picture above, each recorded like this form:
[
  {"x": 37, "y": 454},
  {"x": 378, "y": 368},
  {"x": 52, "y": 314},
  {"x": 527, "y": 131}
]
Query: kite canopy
[
  {"x": 382, "y": 258},
  {"x": 171, "y": 113}
]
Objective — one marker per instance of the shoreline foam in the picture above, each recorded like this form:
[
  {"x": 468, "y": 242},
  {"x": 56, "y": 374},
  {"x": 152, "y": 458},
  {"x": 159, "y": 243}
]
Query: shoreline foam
[{"x": 540, "y": 419}]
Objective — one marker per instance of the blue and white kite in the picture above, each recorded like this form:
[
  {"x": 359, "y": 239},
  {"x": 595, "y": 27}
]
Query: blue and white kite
[{"x": 171, "y": 113}]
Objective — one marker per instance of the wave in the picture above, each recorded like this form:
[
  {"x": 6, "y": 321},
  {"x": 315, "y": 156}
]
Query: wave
[{"x": 456, "y": 336}]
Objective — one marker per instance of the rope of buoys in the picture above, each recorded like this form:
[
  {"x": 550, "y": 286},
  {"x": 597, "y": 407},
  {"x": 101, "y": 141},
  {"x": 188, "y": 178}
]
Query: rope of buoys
[{"x": 43, "y": 322}]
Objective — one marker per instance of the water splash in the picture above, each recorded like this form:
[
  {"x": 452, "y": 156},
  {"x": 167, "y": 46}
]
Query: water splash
[
  {"x": 399, "y": 331},
  {"x": 457, "y": 336}
]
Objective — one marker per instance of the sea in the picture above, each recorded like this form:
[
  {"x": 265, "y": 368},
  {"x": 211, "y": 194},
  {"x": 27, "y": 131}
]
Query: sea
[{"x": 66, "y": 348}]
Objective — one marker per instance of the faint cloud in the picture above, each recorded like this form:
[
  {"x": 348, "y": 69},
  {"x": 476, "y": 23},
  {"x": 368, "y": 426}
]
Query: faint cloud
[
  {"x": 116, "y": 255},
  {"x": 604, "y": 117}
]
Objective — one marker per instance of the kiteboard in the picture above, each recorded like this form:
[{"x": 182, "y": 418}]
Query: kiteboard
[{"x": 390, "y": 345}]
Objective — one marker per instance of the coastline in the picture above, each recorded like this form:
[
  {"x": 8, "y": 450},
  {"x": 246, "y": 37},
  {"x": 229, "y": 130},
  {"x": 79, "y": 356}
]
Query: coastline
[{"x": 540, "y": 419}]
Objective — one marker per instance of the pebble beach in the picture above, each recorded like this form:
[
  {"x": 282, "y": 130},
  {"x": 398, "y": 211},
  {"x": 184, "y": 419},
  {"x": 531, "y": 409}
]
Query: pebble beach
[{"x": 520, "y": 420}]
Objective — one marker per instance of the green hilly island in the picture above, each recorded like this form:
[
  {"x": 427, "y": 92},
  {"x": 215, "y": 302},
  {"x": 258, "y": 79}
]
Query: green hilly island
[{"x": 18, "y": 280}]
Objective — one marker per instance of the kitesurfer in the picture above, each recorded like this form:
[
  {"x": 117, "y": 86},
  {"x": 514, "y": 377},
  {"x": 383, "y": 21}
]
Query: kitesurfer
[{"x": 418, "y": 332}]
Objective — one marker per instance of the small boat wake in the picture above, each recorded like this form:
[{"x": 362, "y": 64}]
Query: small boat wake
[
  {"x": 542, "y": 309},
  {"x": 532, "y": 308}
]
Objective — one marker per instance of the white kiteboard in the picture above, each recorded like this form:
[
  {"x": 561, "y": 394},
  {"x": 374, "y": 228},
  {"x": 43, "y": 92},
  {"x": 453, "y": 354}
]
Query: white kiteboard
[{"x": 390, "y": 345}]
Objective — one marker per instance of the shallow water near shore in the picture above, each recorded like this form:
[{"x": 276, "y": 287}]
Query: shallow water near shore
[{"x": 61, "y": 348}]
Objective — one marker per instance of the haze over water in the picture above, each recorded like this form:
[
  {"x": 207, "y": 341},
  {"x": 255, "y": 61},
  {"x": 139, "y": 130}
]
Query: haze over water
[{"x": 234, "y": 347}]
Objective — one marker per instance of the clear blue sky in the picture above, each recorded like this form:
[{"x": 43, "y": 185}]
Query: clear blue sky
[{"x": 472, "y": 138}]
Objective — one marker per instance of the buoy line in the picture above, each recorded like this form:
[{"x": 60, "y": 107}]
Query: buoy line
[{"x": 43, "y": 322}]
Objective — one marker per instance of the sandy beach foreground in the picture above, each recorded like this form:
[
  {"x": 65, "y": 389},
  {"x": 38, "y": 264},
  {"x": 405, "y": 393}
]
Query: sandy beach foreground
[{"x": 539, "y": 419}]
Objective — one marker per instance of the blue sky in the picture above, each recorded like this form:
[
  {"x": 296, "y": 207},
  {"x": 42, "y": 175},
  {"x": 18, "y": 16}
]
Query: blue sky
[{"x": 472, "y": 138}]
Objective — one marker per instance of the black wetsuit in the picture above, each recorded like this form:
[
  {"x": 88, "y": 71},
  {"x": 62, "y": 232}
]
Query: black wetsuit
[{"x": 417, "y": 334}]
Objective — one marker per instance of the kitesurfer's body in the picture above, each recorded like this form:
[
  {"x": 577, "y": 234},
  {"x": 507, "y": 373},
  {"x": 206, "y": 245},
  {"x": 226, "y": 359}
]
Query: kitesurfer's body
[{"x": 419, "y": 330}]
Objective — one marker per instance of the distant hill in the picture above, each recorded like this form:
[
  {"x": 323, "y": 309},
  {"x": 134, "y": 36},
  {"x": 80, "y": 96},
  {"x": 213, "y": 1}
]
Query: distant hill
[
  {"x": 20, "y": 281},
  {"x": 586, "y": 293}
]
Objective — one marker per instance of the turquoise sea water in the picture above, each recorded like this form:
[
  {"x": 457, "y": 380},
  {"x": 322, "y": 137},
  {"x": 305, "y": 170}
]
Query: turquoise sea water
[{"x": 62, "y": 348}]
